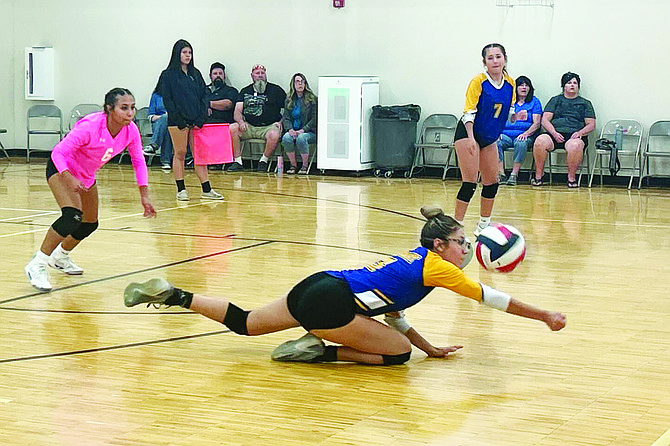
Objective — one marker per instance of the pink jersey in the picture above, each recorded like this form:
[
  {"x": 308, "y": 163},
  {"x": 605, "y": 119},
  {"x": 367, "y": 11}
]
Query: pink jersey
[{"x": 89, "y": 146}]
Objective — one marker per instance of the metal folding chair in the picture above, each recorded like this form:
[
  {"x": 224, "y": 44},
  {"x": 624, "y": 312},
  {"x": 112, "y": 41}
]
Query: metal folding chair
[
  {"x": 632, "y": 143},
  {"x": 43, "y": 114},
  {"x": 437, "y": 134}
]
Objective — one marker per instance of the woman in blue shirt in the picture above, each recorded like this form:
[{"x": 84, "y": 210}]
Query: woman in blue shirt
[
  {"x": 299, "y": 122},
  {"x": 159, "y": 127},
  {"x": 521, "y": 133},
  {"x": 339, "y": 306}
]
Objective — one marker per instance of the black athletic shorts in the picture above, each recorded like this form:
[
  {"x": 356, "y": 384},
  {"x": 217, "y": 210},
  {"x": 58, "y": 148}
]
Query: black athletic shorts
[
  {"x": 561, "y": 145},
  {"x": 461, "y": 133},
  {"x": 51, "y": 169},
  {"x": 322, "y": 301}
]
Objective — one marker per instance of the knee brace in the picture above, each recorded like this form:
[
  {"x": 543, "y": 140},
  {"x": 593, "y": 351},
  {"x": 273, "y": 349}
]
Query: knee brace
[
  {"x": 466, "y": 191},
  {"x": 396, "y": 359},
  {"x": 490, "y": 191},
  {"x": 84, "y": 230},
  {"x": 68, "y": 222},
  {"x": 236, "y": 319}
]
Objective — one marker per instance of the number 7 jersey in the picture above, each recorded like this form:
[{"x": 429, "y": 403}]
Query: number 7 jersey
[{"x": 490, "y": 103}]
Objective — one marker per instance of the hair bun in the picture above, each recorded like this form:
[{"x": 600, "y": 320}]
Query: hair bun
[{"x": 431, "y": 212}]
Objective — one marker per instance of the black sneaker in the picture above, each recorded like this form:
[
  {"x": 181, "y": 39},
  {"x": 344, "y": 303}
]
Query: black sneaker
[
  {"x": 262, "y": 166},
  {"x": 235, "y": 167}
]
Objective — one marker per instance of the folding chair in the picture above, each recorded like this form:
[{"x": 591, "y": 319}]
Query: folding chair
[
  {"x": 312, "y": 156},
  {"x": 3, "y": 147},
  {"x": 632, "y": 143},
  {"x": 43, "y": 114},
  {"x": 247, "y": 149},
  {"x": 658, "y": 146},
  {"x": 79, "y": 111},
  {"x": 585, "y": 158},
  {"x": 437, "y": 133}
]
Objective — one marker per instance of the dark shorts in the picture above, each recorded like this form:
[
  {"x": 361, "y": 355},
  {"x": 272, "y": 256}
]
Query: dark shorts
[
  {"x": 461, "y": 133},
  {"x": 51, "y": 169},
  {"x": 322, "y": 301},
  {"x": 561, "y": 145}
]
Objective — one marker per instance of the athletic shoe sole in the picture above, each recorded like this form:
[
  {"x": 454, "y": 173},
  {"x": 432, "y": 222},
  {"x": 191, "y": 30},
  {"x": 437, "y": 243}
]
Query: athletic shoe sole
[
  {"x": 304, "y": 349},
  {"x": 77, "y": 272},
  {"x": 153, "y": 290}
]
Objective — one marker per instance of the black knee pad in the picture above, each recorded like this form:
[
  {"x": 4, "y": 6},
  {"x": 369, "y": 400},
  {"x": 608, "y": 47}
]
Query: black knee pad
[
  {"x": 466, "y": 192},
  {"x": 396, "y": 359},
  {"x": 236, "y": 319},
  {"x": 84, "y": 230},
  {"x": 68, "y": 222},
  {"x": 490, "y": 191}
]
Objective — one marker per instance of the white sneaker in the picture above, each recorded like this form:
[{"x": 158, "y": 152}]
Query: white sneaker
[
  {"x": 305, "y": 349},
  {"x": 38, "y": 275},
  {"x": 182, "y": 195},
  {"x": 211, "y": 195},
  {"x": 479, "y": 229},
  {"x": 66, "y": 265}
]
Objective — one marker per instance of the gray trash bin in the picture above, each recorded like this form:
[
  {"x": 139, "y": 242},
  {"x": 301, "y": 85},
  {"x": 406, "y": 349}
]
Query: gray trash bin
[{"x": 393, "y": 137}]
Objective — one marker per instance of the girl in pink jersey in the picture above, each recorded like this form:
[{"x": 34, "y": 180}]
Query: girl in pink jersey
[{"x": 71, "y": 169}]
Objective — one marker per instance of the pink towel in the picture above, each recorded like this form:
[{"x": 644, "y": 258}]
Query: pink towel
[{"x": 212, "y": 145}]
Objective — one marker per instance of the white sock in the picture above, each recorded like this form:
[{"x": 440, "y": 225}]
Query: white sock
[
  {"x": 41, "y": 257},
  {"x": 59, "y": 252},
  {"x": 484, "y": 221},
  {"x": 264, "y": 159},
  {"x": 238, "y": 160}
]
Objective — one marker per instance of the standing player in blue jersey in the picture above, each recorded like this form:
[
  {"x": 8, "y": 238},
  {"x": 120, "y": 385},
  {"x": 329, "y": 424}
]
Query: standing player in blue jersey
[
  {"x": 488, "y": 106},
  {"x": 339, "y": 306}
]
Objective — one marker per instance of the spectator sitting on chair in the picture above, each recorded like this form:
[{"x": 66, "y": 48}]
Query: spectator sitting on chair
[
  {"x": 299, "y": 122},
  {"x": 258, "y": 114},
  {"x": 567, "y": 119},
  {"x": 160, "y": 138},
  {"x": 520, "y": 134},
  {"x": 221, "y": 99}
]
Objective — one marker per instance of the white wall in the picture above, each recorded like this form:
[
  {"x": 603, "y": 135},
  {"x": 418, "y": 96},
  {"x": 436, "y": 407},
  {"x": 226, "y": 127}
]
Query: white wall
[{"x": 425, "y": 51}]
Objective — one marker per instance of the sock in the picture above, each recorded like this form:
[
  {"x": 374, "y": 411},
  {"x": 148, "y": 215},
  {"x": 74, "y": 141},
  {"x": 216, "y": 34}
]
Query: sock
[
  {"x": 41, "y": 257},
  {"x": 206, "y": 187},
  {"x": 180, "y": 185},
  {"x": 238, "y": 160},
  {"x": 484, "y": 221},
  {"x": 330, "y": 355},
  {"x": 264, "y": 159},
  {"x": 180, "y": 297},
  {"x": 59, "y": 252}
]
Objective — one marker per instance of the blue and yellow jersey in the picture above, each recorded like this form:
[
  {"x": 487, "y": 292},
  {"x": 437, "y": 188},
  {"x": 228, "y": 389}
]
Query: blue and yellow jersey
[
  {"x": 489, "y": 104},
  {"x": 398, "y": 282}
]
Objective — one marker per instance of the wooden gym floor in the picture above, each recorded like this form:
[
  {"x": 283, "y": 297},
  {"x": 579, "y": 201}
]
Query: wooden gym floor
[{"x": 78, "y": 368}]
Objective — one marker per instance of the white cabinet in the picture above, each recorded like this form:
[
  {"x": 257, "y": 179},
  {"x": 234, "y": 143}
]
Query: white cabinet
[
  {"x": 344, "y": 132},
  {"x": 40, "y": 73}
]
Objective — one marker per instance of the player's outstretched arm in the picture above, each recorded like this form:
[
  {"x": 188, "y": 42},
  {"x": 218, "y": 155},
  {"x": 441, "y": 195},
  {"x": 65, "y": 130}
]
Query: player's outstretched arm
[
  {"x": 553, "y": 319},
  {"x": 398, "y": 321},
  {"x": 434, "y": 352},
  {"x": 504, "y": 302}
]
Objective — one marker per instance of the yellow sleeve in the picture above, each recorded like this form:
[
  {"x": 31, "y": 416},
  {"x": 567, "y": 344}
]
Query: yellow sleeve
[
  {"x": 513, "y": 84},
  {"x": 438, "y": 272},
  {"x": 473, "y": 93}
]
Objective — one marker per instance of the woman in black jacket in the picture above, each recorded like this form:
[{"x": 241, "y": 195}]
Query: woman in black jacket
[{"x": 183, "y": 91}]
